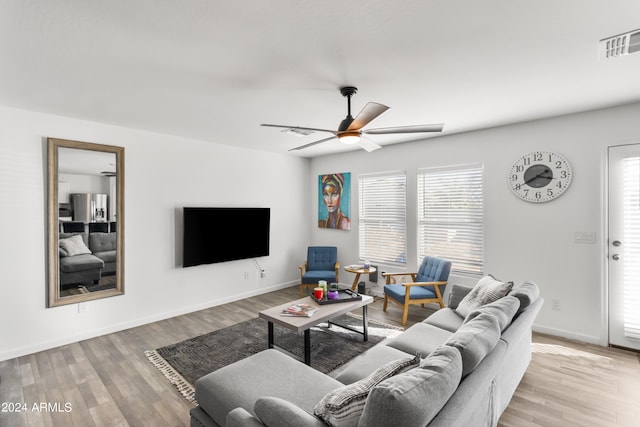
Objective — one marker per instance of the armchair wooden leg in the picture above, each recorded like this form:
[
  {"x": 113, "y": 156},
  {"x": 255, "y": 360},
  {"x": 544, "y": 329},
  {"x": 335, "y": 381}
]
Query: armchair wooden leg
[
  {"x": 405, "y": 306},
  {"x": 405, "y": 314},
  {"x": 386, "y": 300}
]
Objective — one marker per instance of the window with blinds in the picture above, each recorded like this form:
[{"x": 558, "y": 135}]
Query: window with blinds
[
  {"x": 382, "y": 217},
  {"x": 451, "y": 216},
  {"x": 631, "y": 247}
]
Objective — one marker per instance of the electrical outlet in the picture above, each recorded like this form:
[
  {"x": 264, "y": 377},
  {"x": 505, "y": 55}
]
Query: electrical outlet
[{"x": 555, "y": 304}]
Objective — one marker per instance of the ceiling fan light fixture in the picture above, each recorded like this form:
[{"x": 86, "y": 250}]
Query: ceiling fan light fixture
[{"x": 349, "y": 137}]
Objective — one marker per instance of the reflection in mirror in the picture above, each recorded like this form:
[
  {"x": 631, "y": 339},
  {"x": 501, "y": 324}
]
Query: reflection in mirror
[{"x": 85, "y": 221}]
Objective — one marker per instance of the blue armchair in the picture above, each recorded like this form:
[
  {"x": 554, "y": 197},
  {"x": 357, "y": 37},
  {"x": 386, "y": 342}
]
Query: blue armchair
[
  {"x": 321, "y": 264},
  {"x": 425, "y": 288}
]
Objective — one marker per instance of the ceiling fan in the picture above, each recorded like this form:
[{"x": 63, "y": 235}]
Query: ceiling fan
[{"x": 350, "y": 130}]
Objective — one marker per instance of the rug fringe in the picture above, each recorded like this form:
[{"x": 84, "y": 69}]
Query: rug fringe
[
  {"x": 183, "y": 386},
  {"x": 376, "y": 321}
]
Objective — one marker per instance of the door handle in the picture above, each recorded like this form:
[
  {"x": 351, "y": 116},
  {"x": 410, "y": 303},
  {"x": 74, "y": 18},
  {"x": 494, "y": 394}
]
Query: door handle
[
  {"x": 615, "y": 257},
  {"x": 617, "y": 243}
]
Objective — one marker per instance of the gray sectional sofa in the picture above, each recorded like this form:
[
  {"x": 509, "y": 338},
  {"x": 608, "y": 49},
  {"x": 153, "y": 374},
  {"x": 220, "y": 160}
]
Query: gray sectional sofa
[
  {"x": 465, "y": 374},
  {"x": 86, "y": 258}
]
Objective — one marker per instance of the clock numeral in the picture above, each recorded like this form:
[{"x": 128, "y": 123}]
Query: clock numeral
[
  {"x": 559, "y": 184},
  {"x": 514, "y": 177},
  {"x": 519, "y": 169},
  {"x": 526, "y": 161},
  {"x": 564, "y": 174},
  {"x": 537, "y": 157},
  {"x": 558, "y": 164},
  {"x": 549, "y": 192}
]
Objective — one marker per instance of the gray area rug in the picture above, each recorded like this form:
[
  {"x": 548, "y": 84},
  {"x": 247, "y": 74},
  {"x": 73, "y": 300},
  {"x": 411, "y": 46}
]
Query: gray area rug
[{"x": 186, "y": 361}]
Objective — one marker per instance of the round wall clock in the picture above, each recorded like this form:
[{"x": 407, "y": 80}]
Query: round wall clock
[{"x": 540, "y": 176}]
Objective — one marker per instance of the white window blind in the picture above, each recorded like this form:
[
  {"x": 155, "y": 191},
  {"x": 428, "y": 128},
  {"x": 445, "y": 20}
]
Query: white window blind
[
  {"x": 451, "y": 218},
  {"x": 382, "y": 218},
  {"x": 631, "y": 247}
]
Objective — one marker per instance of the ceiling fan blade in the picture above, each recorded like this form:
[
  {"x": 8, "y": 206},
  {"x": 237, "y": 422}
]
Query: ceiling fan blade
[
  {"x": 368, "y": 145},
  {"x": 406, "y": 129},
  {"x": 368, "y": 113},
  {"x": 311, "y": 144},
  {"x": 299, "y": 127}
]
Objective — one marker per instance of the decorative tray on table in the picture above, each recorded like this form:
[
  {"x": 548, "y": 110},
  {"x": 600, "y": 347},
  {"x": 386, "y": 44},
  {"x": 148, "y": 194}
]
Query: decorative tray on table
[{"x": 344, "y": 295}]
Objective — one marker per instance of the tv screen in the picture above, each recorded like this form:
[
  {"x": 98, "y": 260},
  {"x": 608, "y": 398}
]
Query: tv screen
[{"x": 212, "y": 235}]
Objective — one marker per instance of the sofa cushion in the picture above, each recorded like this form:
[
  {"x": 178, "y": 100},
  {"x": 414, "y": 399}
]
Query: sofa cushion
[
  {"x": 487, "y": 290},
  {"x": 527, "y": 293},
  {"x": 503, "y": 310},
  {"x": 343, "y": 407},
  {"x": 275, "y": 412},
  {"x": 456, "y": 294},
  {"x": 78, "y": 263},
  {"x": 415, "y": 397},
  {"x": 102, "y": 242},
  {"x": 74, "y": 245},
  {"x": 268, "y": 373},
  {"x": 445, "y": 318},
  {"x": 420, "y": 339},
  {"x": 475, "y": 339},
  {"x": 364, "y": 364}
]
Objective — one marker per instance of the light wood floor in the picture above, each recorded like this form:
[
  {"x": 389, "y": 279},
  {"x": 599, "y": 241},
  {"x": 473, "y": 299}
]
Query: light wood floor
[{"x": 107, "y": 381}]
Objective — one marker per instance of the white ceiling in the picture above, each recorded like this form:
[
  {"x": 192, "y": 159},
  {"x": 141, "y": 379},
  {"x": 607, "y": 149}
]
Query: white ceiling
[{"x": 215, "y": 70}]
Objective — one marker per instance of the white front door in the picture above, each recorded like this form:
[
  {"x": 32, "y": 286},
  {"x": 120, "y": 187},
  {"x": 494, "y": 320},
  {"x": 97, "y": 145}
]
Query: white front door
[{"x": 624, "y": 246}]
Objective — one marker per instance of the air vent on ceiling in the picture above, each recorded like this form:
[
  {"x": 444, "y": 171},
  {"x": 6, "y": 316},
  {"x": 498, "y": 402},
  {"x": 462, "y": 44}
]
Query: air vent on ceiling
[
  {"x": 620, "y": 45},
  {"x": 297, "y": 131}
]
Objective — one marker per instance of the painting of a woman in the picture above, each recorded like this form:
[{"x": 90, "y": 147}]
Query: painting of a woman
[{"x": 333, "y": 206}]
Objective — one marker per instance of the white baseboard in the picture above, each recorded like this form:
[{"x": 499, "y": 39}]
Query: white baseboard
[{"x": 590, "y": 339}]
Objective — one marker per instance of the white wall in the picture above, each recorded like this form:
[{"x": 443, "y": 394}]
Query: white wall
[
  {"x": 163, "y": 173},
  {"x": 523, "y": 241}
]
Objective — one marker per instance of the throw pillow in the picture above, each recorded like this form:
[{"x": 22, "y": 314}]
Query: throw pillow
[
  {"x": 415, "y": 397},
  {"x": 74, "y": 245},
  {"x": 503, "y": 310},
  {"x": 527, "y": 293},
  {"x": 343, "y": 407},
  {"x": 276, "y": 412},
  {"x": 487, "y": 290},
  {"x": 475, "y": 339}
]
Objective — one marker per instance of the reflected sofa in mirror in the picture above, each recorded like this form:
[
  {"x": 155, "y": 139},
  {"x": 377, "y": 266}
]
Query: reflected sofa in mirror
[{"x": 85, "y": 221}]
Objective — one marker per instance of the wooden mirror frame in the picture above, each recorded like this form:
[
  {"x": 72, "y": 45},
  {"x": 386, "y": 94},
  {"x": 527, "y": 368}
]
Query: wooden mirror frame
[{"x": 54, "y": 298}]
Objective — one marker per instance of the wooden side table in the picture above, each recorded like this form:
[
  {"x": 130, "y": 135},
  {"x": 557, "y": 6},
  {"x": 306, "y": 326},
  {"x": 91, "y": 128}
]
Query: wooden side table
[{"x": 358, "y": 270}]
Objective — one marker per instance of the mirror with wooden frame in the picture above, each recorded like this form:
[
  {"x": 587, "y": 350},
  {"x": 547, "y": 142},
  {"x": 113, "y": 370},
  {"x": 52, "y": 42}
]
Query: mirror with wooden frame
[{"x": 85, "y": 221}]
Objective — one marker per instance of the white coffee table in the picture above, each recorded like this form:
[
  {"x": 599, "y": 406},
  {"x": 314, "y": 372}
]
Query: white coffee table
[{"x": 325, "y": 313}]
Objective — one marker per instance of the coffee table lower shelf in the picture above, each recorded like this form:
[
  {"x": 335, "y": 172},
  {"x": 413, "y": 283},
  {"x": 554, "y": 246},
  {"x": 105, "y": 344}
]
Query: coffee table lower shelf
[{"x": 303, "y": 325}]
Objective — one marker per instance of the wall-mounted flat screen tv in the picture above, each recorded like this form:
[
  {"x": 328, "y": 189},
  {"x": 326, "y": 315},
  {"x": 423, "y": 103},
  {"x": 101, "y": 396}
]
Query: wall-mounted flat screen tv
[{"x": 212, "y": 235}]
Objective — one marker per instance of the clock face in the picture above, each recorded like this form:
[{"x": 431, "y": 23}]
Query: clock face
[{"x": 540, "y": 176}]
